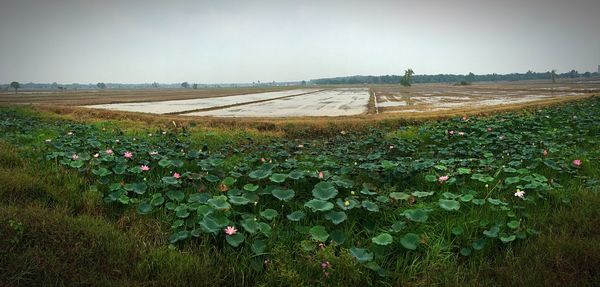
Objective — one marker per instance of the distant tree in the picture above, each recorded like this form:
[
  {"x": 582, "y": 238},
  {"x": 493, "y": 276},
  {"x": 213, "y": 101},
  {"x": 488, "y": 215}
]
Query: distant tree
[
  {"x": 471, "y": 78},
  {"x": 529, "y": 75},
  {"x": 101, "y": 86},
  {"x": 155, "y": 85},
  {"x": 195, "y": 86},
  {"x": 54, "y": 85},
  {"x": 407, "y": 79},
  {"x": 185, "y": 85},
  {"x": 573, "y": 74},
  {"x": 303, "y": 83},
  {"x": 15, "y": 85},
  {"x": 553, "y": 76}
]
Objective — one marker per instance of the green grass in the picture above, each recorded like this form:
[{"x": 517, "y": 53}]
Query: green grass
[{"x": 54, "y": 230}]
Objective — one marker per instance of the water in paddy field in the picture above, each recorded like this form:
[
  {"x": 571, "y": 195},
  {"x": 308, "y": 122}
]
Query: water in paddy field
[
  {"x": 337, "y": 102},
  {"x": 353, "y": 101},
  {"x": 178, "y": 106}
]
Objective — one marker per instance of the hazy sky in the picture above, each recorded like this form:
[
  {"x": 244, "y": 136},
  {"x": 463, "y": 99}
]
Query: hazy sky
[{"x": 244, "y": 41}]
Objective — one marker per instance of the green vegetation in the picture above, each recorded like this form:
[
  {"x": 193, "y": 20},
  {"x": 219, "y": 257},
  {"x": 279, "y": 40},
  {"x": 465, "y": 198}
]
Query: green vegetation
[
  {"x": 455, "y": 78},
  {"x": 15, "y": 85},
  {"x": 509, "y": 199},
  {"x": 407, "y": 79}
]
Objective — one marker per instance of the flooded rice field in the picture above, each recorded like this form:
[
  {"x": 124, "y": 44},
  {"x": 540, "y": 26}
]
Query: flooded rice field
[
  {"x": 337, "y": 102},
  {"x": 349, "y": 101},
  {"x": 427, "y": 98},
  {"x": 179, "y": 106}
]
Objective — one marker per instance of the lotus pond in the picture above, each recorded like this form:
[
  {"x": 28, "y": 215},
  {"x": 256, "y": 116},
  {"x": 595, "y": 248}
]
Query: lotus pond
[{"x": 466, "y": 186}]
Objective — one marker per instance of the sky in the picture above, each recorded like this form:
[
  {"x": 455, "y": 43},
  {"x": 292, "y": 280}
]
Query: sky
[{"x": 84, "y": 41}]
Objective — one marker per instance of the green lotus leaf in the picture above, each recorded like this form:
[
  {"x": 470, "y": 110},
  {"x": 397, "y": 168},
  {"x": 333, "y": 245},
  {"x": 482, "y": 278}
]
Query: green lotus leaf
[
  {"x": 250, "y": 187},
  {"x": 324, "y": 191},
  {"x": 283, "y": 194},
  {"x": 296, "y": 215},
  {"x": 370, "y": 206},
  {"x": 399, "y": 195},
  {"x": 219, "y": 203},
  {"x": 269, "y": 214},
  {"x": 259, "y": 174},
  {"x": 144, "y": 208},
  {"x": 514, "y": 224},
  {"x": 278, "y": 177},
  {"x": 236, "y": 239},
  {"x": 410, "y": 241},
  {"x": 507, "y": 238},
  {"x": 492, "y": 232},
  {"x": 176, "y": 195},
  {"x": 361, "y": 254},
  {"x": 319, "y": 233},
  {"x": 383, "y": 239},
  {"x": 319, "y": 205},
  {"x": 416, "y": 215},
  {"x": 238, "y": 200},
  {"x": 449, "y": 205},
  {"x": 179, "y": 236},
  {"x": 336, "y": 217}
]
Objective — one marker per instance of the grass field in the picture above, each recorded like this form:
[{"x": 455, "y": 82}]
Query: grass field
[{"x": 382, "y": 200}]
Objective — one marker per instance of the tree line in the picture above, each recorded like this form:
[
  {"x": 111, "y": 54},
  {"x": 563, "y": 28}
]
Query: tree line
[{"x": 450, "y": 78}]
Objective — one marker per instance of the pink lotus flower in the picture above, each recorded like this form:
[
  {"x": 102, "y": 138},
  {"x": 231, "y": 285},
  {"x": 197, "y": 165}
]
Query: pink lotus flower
[
  {"x": 128, "y": 154},
  {"x": 451, "y": 132},
  {"x": 325, "y": 264},
  {"x": 520, "y": 193},
  {"x": 321, "y": 246},
  {"x": 144, "y": 167},
  {"x": 443, "y": 178},
  {"x": 501, "y": 137},
  {"x": 489, "y": 130},
  {"x": 577, "y": 163},
  {"x": 109, "y": 151},
  {"x": 465, "y": 118},
  {"x": 545, "y": 152},
  {"x": 75, "y": 157},
  {"x": 176, "y": 175},
  {"x": 321, "y": 175},
  {"x": 230, "y": 230},
  {"x": 96, "y": 155}
]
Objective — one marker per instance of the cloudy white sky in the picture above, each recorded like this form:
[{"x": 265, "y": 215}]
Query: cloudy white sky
[{"x": 243, "y": 41}]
